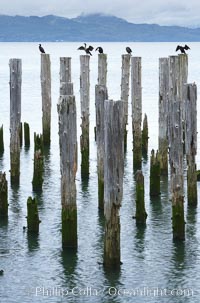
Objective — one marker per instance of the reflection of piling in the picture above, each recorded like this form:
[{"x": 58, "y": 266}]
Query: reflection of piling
[
  {"x": 1, "y": 141},
  {"x": 190, "y": 97},
  {"x": 154, "y": 174},
  {"x": 141, "y": 214},
  {"x": 136, "y": 95},
  {"x": 38, "y": 162},
  {"x": 125, "y": 91},
  {"x": 68, "y": 167},
  {"x": 145, "y": 136},
  {"x": 46, "y": 97},
  {"x": 176, "y": 151},
  {"x": 26, "y": 135},
  {"x": 163, "y": 114},
  {"x": 85, "y": 101},
  {"x": 113, "y": 179},
  {"x": 32, "y": 215},
  {"x": 15, "y": 116},
  {"x": 100, "y": 96},
  {"x": 3, "y": 195}
]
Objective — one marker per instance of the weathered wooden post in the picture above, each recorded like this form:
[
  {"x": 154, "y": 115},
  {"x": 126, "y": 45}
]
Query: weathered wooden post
[
  {"x": 33, "y": 220},
  {"x": 125, "y": 91},
  {"x": 21, "y": 134},
  {"x": 26, "y": 134},
  {"x": 113, "y": 179},
  {"x": 15, "y": 116},
  {"x": 100, "y": 96},
  {"x": 176, "y": 151},
  {"x": 1, "y": 141},
  {"x": 141, "y": 214},
  {"x": 46, "y": 97},
  {"x": 145, "y": 136},
  {"x": 190, "y": 98},
  {"x": 136, "y": 96},
  {"x": 68, "y": 167},
  {"x": 102, "y": 69},
  {"x": 163, "y": 114},
  {"x": 3, "y": 195},
  {"x": 85, "y": 112},
  {"x": 38, "y": 162},
  {"x": 66, "y": 86},
  {"x": 154, "y": 174}
]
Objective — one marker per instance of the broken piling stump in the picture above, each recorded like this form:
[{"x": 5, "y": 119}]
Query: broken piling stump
[
  {"x": 33, "y": 220},
  {"x": 1, "y": 141},
  {"x": 26, "y": 134},
  {"x": 154, "y": 174},
  {"x": 38, "y": 167},
  {"x": 141, "y": 214},
  {"x": 3, "y": 195},
  {"x": 145, "y": 136}
]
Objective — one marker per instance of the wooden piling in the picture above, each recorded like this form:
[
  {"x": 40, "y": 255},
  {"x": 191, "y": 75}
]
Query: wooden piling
[
  {"x": 33, "y": 220},
  {"x": 85, "y": 111},
  {"x": 136, "y": 96},
  {"x": 154, "y": 174},
  {"x": 100, "y": 96},
  {"x": 145, "y": 136},
  {"x": 21, "y": 134},
  {"x": 102, "y": 69},
  {"x": 66, "y": 85},
  {"x": 15, "y": 116},
  {"x": 113, "y": 179},
  {"x": 190, "y": 105},
  {"x": 68, "y": 167},
  {"x": 163, "y": 114},
  {"x": 38, "y": 167},
  {"x": 125, "y": 91},
  {"x": 176, "y": 151},
  {"x": 46, "y": 97},
  {"x": 26, "y": 134},
  {"x": 3, "y": 195},
  {"x": 141, "y": 214},
  {"x": 1, "y": 141}
]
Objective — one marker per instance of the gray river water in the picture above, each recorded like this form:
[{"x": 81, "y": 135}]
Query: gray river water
[{"x": 155, "y": 268}]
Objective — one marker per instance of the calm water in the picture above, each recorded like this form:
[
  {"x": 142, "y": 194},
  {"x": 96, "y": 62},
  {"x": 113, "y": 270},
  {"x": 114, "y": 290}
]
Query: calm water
[{"x": 35, "y": 268}]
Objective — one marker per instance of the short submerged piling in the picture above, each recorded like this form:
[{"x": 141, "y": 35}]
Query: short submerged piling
[
  {"x": 190, "y": 97},
  {"x": 26, "y": 134},
  {"x": 163, "y": 114},
  {"x": 38, "y": 162},
  {"x": 113, "y": 180},
  {"x": 3, "y": 195},
  {"x": 154, "y": 174},
  {"x": 125, "y": 78},
  {"x": 85, "y": 112},
  {"x": 46, "y": 98},
  {"x": 141, "y": 214},
  {"x": 136, "y": 96},
  {"x": 15, "y": 117},
  {"x": 33, "y": 220},
  {"x": 68, "y": 167},
  {"x": 100, "y": 96},
  {"x": 145, "y": 136}
]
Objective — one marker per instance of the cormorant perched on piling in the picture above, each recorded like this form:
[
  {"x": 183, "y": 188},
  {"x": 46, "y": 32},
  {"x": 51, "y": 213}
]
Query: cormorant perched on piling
[
  {"x": 182, "y": 48},
  {"x": 41, "y": 49},
  {"x": 129, "y": 50},
  {"x": 100, "y": 49},
  {"x": 86, "y": 49}
]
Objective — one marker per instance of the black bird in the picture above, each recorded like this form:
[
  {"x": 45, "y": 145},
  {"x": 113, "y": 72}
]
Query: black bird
[
  {"x": 86, "y": 49},
  {"x": 182, "y": 48},
  {"x": 41, "y": 49},
  {"x": 100, "y": 49},
  {"x": 129, "y": 50}
]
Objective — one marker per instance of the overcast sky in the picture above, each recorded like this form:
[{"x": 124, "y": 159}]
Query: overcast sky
[{"x": 169, "y": 12}]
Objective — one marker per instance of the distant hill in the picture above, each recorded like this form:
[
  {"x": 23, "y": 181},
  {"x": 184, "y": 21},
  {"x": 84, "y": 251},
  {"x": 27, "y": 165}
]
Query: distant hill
[{"x": 96, "y": 27}]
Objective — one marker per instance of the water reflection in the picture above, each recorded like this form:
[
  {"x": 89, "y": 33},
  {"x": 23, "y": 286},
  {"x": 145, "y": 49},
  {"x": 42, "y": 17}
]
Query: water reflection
[
  {"x": 140, "y": 239},
  {"x": 112, "y": 285},
  {"x": 33, "y": 241}
]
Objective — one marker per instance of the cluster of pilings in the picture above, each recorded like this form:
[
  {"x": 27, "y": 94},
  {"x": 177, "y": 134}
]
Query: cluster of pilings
[{"x": 177, "y": 135}]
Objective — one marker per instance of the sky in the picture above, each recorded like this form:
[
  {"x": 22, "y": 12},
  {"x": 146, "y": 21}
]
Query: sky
[{"x": 168, "y": 12}]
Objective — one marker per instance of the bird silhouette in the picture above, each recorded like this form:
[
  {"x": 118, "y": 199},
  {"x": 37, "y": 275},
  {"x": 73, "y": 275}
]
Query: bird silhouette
[
  {"x": 182, "y": 48},
  {"x": 41, "y": 49},
  {"x": 86, "y": 49},
  {"x": 129, "y": 50},
  {"x": 100, "y": 49}
]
